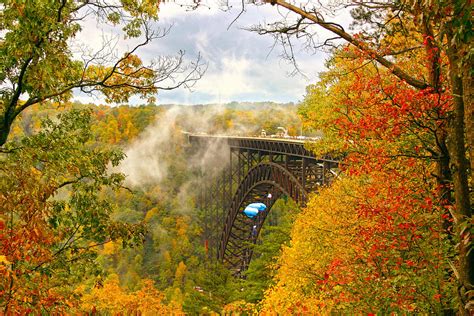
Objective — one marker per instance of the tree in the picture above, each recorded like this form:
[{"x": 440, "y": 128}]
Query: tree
[
  {"x": 53, "y": 214},
  {"x": 38, "y": 63},
  {"x": 376, "y": 241},
  {"x": 111, "y": 298},
  {"x": 364, "y": 246},
  {"x": 444, "y": 29},
  {"x": 53, "y": 217}
]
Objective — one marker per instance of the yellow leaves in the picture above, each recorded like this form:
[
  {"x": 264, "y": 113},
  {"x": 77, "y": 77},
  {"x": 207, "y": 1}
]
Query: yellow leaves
[
  {"x": 96, "y": 72},
  {"x": 167, "y": 256},
  {"x": 35, "y": 172},
  {"x": 150, "y": 214},
  {"x": 111, "y": 298},
  {"x": 148, "y": 8},
  {"x": 109, "y": 248},
  {"x": 318, "y": 112},
  {"x": 182, "y": 225},
  {"x": 151, "y": 7},
  {"x": 321, "y": 236},
  {"x": 4, "y": 261},
  {"x": 129, "y": 77},
  {"x": 180, "y": 274},
  {"x": 240, "y": 307}
]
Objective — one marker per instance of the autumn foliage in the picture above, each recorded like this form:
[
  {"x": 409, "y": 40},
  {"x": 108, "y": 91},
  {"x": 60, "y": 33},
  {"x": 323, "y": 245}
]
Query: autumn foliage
[
  {"x": 379, "y": 240},
  {"x": 391, "y": 235},
  {"x": 53, "y": 217},
  {"x": 110, "y": 298}
]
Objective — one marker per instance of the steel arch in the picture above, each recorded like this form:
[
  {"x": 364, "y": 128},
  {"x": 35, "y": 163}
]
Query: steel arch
[{"x": 266, "y": 177}]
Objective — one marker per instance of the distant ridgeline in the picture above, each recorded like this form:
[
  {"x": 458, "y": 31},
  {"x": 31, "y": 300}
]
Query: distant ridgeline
[
  {"x": 234, "y": 105},
  {"x": 122, "y": 123}
]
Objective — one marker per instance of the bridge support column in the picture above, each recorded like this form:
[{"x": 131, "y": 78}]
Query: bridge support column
[{"x": 303, "y": 177}]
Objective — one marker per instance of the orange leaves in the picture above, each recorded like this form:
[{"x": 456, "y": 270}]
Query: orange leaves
[
  {"x": 239, "y": 308},
  {"x": 369, "y": 242},
  {"x": 182, "y": 226},
  {"x": 129, "y": 76},
  {"x": 52, "y": 215},
  {"x": 111, "y": 298},
  {"x": 374, "y": 110}
]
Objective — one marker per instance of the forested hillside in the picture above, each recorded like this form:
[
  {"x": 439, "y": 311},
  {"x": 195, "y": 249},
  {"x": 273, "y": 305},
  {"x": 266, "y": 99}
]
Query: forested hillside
[
  {"x": 165, "y": 267},
  {"x": 98, "y": 203}
]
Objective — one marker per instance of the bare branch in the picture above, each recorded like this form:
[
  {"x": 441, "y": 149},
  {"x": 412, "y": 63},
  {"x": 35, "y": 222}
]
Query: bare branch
[
  {"x": 238, "y": 16},
  {"x": 165, "y": 73},
  {"x": 317, "y": 19}
]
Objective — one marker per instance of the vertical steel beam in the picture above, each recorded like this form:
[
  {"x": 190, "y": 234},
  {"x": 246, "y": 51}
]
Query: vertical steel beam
[
  {"x": 303, "y": 177},
  {"x": 231, "y": 171}
]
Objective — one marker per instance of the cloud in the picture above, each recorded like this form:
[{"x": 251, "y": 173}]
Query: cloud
[
  {"x": 229, "y": 79},
  {"x": 177, "y": 10},
  {"x": 144, "y": 162},
  {"x": 241, "y": 65}
]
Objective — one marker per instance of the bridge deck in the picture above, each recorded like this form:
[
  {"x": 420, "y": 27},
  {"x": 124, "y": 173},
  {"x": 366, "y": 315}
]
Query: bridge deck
[{"x": 279, "y": 146}]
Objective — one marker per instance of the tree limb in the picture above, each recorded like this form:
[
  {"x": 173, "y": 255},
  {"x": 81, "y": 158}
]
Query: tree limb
[{"x": 397, "y": 71}]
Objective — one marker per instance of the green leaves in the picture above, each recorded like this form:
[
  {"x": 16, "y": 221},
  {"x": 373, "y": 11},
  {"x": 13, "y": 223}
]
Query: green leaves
[
  {"x": 38, "y": 63},
  {"x": 51, "y": 185},
  {"x": 133, "y": 28},
  {"x": 114, "y": 17}
]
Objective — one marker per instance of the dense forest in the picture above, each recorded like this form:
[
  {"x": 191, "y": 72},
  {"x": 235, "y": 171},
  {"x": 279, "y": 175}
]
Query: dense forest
[
  {"x": 163, "y": 267},
  {"x": 97, "y": 202}
]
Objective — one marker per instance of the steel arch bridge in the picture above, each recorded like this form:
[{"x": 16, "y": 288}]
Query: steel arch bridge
[{"x": 257, "y": 170}]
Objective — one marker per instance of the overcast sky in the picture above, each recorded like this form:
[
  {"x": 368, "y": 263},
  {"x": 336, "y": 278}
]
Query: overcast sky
[{"x": 242, "y": 66}]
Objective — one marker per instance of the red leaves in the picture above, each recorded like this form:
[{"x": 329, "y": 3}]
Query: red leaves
[{"x": 394, "y": 236}]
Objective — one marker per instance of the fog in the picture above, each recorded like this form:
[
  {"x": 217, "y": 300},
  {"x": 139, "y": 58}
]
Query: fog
[{"x": 150, "y": 157}]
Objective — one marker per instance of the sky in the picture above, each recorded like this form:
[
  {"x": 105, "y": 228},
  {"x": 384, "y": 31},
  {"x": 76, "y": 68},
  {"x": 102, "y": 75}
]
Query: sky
[{"x": 241, "y": 65}]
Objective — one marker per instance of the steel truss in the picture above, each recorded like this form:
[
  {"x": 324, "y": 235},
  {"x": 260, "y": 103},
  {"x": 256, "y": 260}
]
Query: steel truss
[{"x": 257, "y": 167}]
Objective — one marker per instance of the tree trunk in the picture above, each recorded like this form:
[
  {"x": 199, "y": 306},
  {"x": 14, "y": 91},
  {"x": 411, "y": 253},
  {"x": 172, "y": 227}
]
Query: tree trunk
[
  {"x": 4, "y": 131},
  {"x": 469, "y": 112},
  {"x": 460, "y": 167}
]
